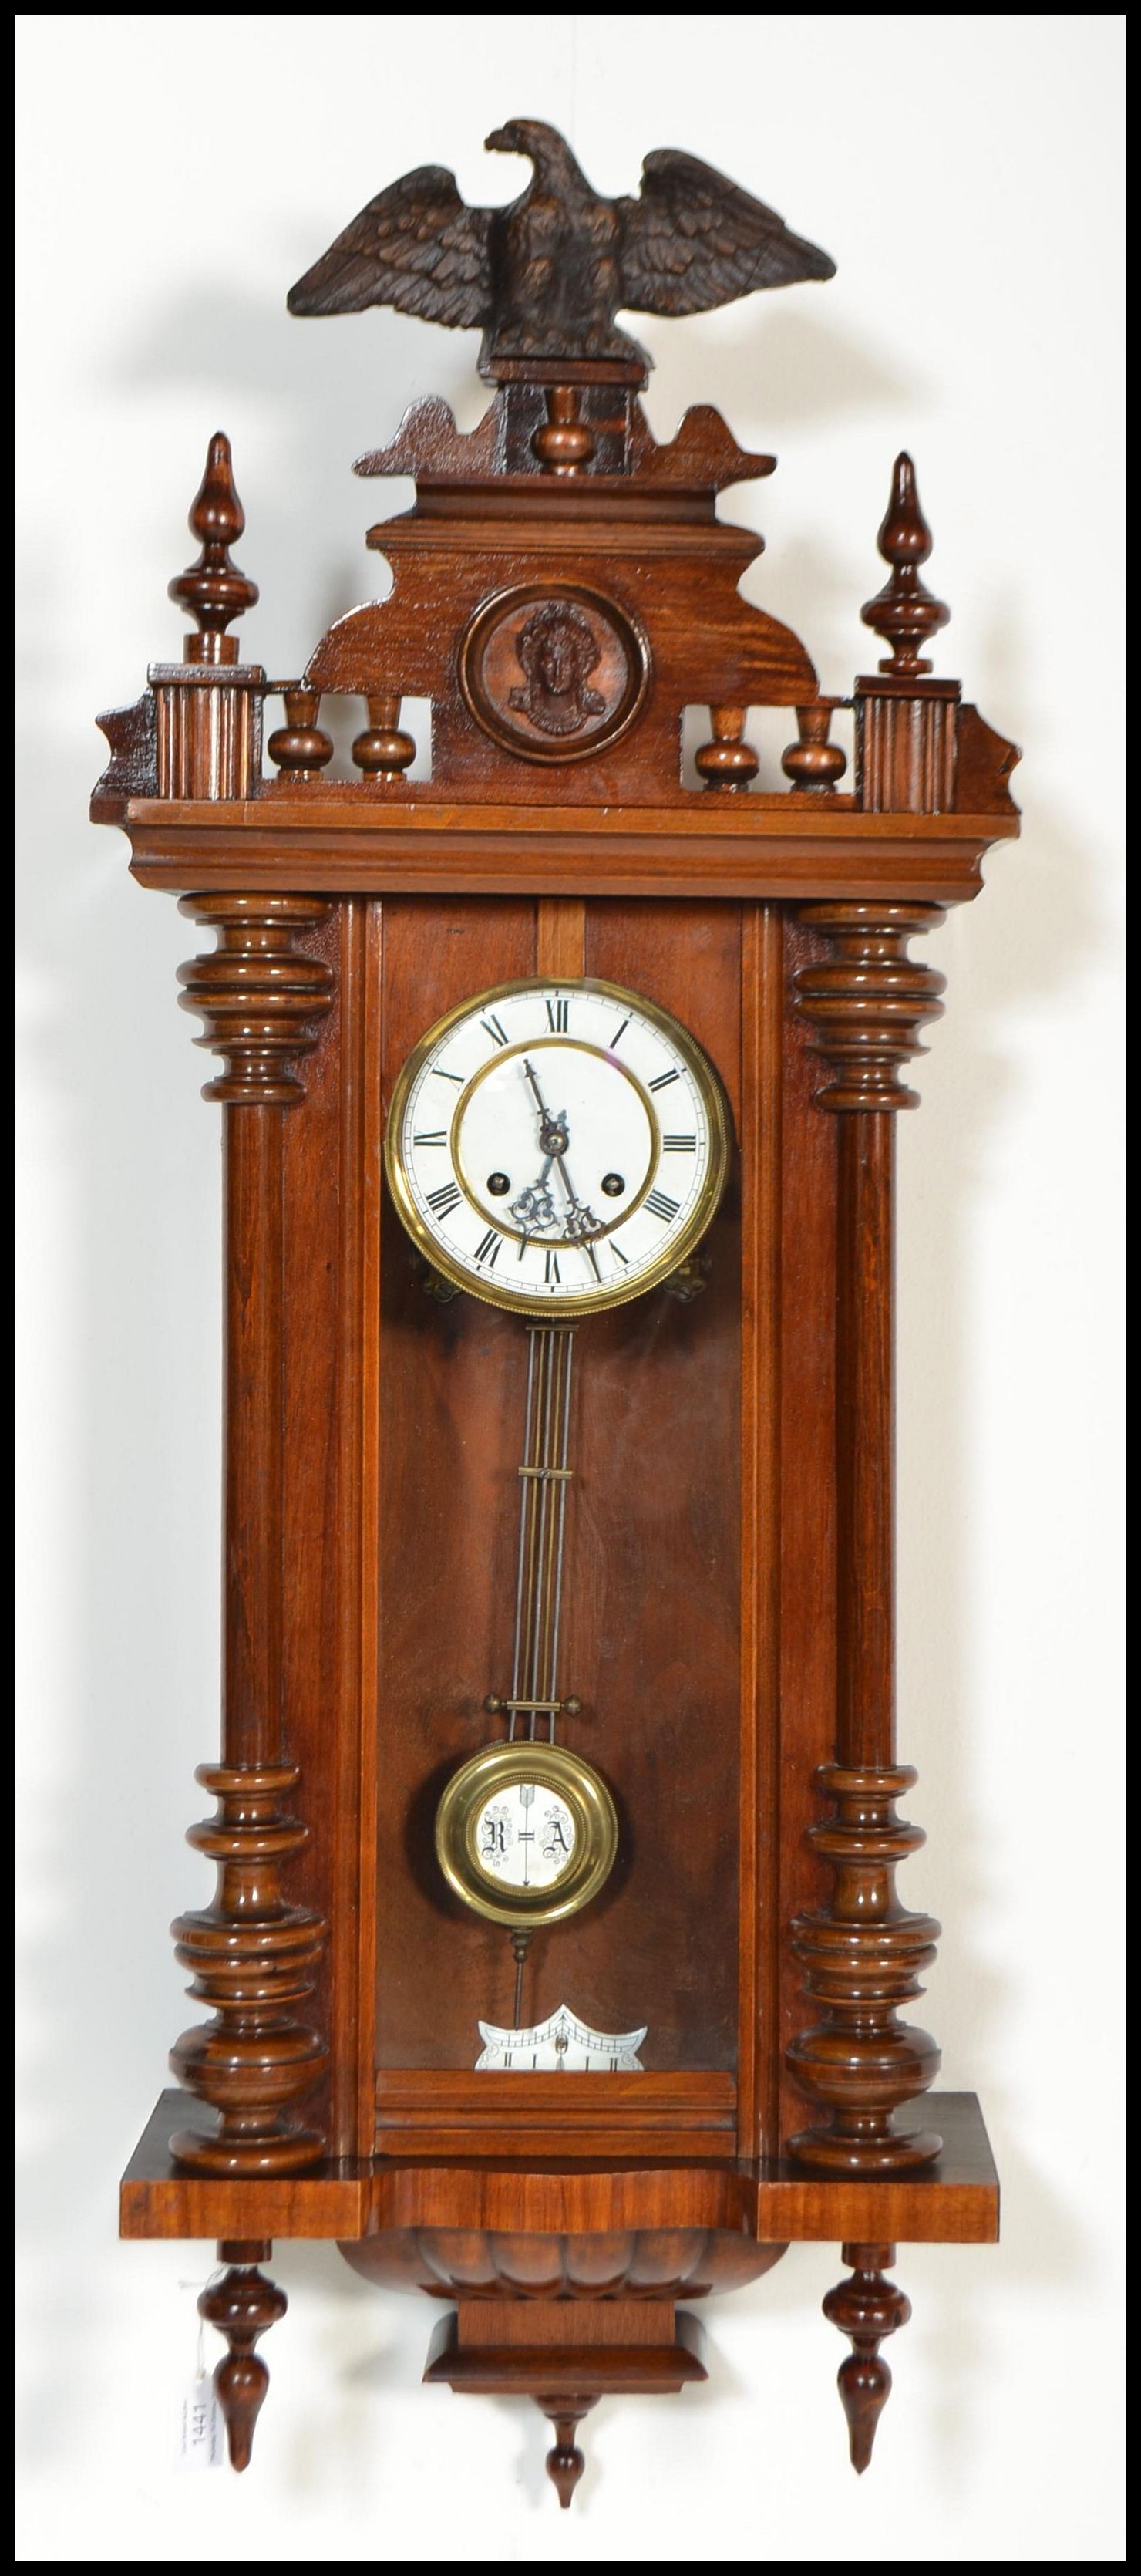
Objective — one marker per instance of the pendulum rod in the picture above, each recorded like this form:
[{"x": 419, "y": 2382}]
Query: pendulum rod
[
  {"x": 543, "y": 1479},
  {"x": 544, "y": 1476}
]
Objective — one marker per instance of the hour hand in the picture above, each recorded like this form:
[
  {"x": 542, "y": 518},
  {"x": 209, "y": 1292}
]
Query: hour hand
[{"x": 534, "y": 1209}]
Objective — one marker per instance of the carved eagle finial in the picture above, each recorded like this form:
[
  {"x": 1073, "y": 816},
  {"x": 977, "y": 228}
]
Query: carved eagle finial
[{"x": 545, "y": 275}]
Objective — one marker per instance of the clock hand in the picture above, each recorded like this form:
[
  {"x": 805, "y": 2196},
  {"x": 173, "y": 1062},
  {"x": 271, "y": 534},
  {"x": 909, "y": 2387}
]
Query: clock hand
[
  {"x": 534, "y": 1209},
  {"x": 554, "y": 1138},
  {"x": 554, "y": 1134},
  {"x": 581, "y": 1222}
]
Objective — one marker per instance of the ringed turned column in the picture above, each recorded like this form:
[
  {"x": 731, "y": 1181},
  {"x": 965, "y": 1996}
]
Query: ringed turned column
[{"x": 865, "y": 1003}]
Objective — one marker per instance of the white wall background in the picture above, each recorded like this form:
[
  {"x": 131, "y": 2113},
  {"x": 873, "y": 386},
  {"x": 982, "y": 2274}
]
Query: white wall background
[{"x": 179, "y": 172}]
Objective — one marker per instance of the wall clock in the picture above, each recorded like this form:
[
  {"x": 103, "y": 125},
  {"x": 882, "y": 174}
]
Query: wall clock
[{"x": 556, "y": 1964}]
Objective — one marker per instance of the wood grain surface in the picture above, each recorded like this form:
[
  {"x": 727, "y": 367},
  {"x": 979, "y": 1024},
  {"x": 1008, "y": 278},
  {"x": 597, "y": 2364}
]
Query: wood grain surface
[{"x": 953, "y": 2201}]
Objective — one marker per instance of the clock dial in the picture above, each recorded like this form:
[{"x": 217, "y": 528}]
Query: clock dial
[
  {"x": 525, "y": 1836},
  {"x": 557, "y": 1148}
]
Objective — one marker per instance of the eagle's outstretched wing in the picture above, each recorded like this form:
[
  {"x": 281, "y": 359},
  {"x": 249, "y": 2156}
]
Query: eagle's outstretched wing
[
  {"x": 417, "y": 246},
  {"x": 692, "y": 239}
]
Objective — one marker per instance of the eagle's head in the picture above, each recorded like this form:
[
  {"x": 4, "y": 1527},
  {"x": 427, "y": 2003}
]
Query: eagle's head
[{"x": 523, "y": 134}]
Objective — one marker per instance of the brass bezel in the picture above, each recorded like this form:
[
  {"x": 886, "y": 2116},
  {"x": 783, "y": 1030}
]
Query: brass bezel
[
  {"x": 568, "y": 1777},
  {"x": 601, "y": 1299}
]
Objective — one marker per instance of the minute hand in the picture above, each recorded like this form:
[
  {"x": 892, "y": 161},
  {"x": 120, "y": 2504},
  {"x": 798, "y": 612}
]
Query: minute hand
[
  {"x": 554, "y": 1134},
  {"x": 554, "y": 1137}
]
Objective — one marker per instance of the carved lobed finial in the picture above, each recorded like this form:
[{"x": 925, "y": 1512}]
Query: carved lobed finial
[
  {"x": 213, "y": 588},
  {"x": 904, "y": 612}
]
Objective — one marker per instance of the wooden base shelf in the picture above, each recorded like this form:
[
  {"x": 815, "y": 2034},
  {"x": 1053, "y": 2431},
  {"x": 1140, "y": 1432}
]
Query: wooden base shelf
[{"x": 954, "y": 2201}]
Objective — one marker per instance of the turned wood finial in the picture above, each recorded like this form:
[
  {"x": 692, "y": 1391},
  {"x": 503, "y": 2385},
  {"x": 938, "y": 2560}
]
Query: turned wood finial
[
  {"x": 213, "y": 588},
  {"x": 904, "y": 612}
]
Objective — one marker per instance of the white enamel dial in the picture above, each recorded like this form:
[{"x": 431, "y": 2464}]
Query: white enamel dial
[
  {"x": 525, "y": 1835},
  {"x": 557, "y": 1147}
]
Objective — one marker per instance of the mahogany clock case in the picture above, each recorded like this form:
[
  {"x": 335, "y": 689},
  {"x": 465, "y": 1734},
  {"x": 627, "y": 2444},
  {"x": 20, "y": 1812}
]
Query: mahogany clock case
[{"x": 729, "y": 1618}]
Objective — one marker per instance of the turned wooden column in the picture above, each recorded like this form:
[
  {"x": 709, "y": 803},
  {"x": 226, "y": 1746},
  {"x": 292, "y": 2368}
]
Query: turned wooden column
[
  {"x": 865, "y": 1003},
  {"x": 252, "y": 1953}
]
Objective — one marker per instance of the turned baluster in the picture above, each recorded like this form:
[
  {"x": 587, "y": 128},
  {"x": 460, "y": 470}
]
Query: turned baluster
[
  {"x": 563, "y": 443},
  {"x": 382, "y": 750},
  {"x": 299, "y": 749},
  {"x": 812, "y": 762},
  {"x": 207, "y": 709},
  {"x": 728, "y": 760}
]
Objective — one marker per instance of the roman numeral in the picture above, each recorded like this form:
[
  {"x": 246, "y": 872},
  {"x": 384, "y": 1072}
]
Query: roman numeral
[
  {"x": 557, "y": 1017},
  {"x": 592, "y": 1257},
  {"x": 661, "y": 1079},
  {"x": 661, "y": 1206},
  {"x": 618, "y": 1253},
  {"x": 552, "y": 1275},
  {"x": 490, "y": 1248},
  {"x": 618, "y": 1032},
  {"x": 495, "y": 1029},
  {"x": 679, "y": 1144},
  {"x": 438, "y": 1136},
  {"x": 457, "y": 1078},
  {"x": 443, "y": 1200}
]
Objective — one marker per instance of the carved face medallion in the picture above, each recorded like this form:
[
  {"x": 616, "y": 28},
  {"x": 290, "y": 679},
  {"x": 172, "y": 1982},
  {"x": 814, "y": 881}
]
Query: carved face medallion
[{"x": 553, "y": 673}]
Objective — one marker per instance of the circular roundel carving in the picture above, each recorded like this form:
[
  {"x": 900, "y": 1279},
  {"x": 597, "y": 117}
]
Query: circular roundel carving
[{"x": 553, "y": 672}]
